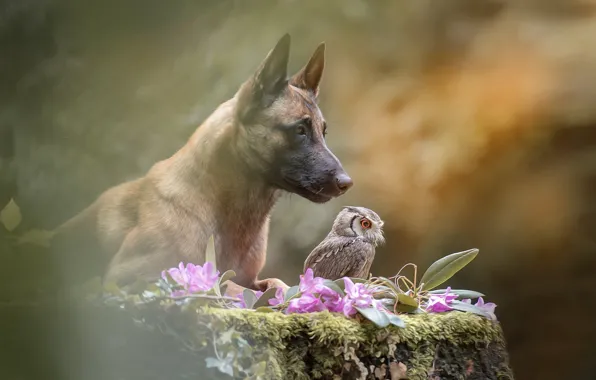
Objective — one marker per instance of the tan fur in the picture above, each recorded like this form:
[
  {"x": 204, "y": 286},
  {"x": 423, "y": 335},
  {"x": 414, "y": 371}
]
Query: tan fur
[{"x": 214, "y": 185}]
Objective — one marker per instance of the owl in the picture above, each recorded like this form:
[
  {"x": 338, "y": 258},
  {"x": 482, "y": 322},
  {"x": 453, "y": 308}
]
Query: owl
[{"x": 349, "y": 249}]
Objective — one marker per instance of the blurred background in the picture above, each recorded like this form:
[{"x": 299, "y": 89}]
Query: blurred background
[{"x": 464, "y": 124}]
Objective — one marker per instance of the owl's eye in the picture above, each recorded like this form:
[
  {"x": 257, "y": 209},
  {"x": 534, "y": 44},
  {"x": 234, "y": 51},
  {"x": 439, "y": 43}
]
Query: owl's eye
[{"x": 365, "y": 223}]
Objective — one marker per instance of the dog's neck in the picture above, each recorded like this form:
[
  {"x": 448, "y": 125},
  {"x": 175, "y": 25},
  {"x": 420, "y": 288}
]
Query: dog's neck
[{"x": 209, "y": 169}]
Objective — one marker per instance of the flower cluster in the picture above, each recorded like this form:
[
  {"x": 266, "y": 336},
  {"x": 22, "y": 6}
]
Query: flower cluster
[
  {"x": 487, "y": 307},
  {"x": 316, "y": 296},
  {"x": 443, "y": 302},
  {"x": 192, "y": 278}
]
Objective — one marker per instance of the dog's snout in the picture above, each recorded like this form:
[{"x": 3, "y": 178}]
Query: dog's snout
[{"x": 344, "y": 182}]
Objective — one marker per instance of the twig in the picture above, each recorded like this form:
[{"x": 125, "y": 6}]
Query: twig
[{"x": 201, "y": 296}]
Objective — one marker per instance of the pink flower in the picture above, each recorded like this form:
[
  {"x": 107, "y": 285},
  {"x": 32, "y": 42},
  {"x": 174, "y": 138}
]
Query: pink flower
[
  {"x": 192, "y": 278},
  {"x": 358, "y": 295},
  {"x": 315, "y": 296},
  {"x": 306, "y": 303},
  {"x": 333, "y": 302},
  {"x": 440, "y": 303},
  {"x": 311, "y": 284},
  {"x": 488, "y": 307},
  {"x": 279, "y": 298}
]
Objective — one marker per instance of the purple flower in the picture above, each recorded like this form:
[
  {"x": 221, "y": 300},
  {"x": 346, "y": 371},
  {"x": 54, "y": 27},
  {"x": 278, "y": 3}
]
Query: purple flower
[
  {"x": 334, "y": 302},
  {"x": 242, "y": 303},
  {"x": 311, "y": 284},
  {"x": 192, "y": 278},
  {"x": 358, "y": 295},
  {"x": 488, "y": 307},
  {"x": 315, "y": 296},
  {"x": 440, "y": 303},
  {"x": 279, "y": 298},
  {"x": 306, "y": 303}
]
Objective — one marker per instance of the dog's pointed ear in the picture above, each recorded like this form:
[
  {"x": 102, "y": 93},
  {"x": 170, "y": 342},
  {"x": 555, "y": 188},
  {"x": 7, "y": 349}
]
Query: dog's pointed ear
[
  {"x": 309, "y": 77},
  {"x": 268, "y": 81},
  {"x": 272, "y": 74}
]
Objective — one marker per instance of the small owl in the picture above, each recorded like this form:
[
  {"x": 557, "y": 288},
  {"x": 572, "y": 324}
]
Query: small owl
[{"x": 349, "y": 249}]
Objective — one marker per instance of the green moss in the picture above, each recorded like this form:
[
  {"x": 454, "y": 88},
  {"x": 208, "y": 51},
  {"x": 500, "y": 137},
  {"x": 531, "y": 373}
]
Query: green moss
[
  {"x": 322, "y": 345},
  {"x": 303, "y": 346}
]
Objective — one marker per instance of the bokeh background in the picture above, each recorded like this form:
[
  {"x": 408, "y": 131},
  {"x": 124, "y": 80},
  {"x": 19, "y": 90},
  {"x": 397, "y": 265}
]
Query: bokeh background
[{"x": 463, "y": 123}]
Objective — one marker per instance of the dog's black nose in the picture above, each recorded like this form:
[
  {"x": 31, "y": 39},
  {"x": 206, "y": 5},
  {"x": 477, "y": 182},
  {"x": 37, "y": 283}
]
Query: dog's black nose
[{"x": 344, "y": 182}]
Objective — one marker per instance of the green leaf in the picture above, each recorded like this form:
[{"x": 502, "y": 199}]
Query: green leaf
[
  {"x": 264, "y": 309},
  {"x": 333, "y": 286},
  {"x": 223, "y": 365},
  {"x": 390, "y": 284},
  {"x": 149, "y": 294},
  {"x": 402, "y": 308},
  {"x": 226, "y": 336},
  {"x": 406, "y": 303},
  {"x": 245, "y": 348},
  {"x": 221, "y": 288},
  {"x": 468, "y": 307},
  {"x": 249, "y": 298},
  {"x": 10, "y": 216},
  {"x": 461, "y": 293},
  {"x": 395, "y": 320},
  {"x": 226, "y": 276},
  {"x": 443, "y": 269},
  {"x": 41, "y": 238},
  {"x": 210, "y": 252},
  {"x": 407, "y": 300},
  {"x": 258, "y": 369},
  {"x": 290, "y": 293},
  {"x": 374, "y": 315},
  {"x": 264, "y": 298},
  {"x": 342, "y": 285}
]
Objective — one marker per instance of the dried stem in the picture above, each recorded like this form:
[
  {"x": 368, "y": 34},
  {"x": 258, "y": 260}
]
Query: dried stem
[{"x": 201, "y": 296}]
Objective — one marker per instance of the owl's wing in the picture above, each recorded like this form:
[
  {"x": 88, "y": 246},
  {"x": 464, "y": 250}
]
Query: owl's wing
[{"x": 333, "y": 260}]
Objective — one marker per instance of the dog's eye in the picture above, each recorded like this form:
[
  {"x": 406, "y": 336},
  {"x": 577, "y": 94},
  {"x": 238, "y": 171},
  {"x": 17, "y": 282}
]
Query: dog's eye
[
  {"x": 301, "y": 130},
  {"x": 325, "y": 130},
  {"x": 303, "y": 125}
]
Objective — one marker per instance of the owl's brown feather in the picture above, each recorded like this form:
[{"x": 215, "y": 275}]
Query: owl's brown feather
[
  {"x": 331, "y": 260},
  {"x": 349, "y": 248}
]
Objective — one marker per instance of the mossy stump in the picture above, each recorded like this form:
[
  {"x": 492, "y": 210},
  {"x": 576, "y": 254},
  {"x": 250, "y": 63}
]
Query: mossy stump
[{"x": 100, "y": 342}]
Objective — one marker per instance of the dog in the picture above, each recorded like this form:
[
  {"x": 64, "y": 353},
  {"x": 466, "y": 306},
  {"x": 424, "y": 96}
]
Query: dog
[{"x": 267, "y": 139}]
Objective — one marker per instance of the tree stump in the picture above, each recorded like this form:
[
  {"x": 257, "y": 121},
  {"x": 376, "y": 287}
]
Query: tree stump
[{"x": 89, "y": 341}]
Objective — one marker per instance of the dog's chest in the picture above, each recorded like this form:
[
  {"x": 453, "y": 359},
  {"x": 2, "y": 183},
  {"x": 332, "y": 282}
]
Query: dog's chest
[{"x": 238, "y": 237}]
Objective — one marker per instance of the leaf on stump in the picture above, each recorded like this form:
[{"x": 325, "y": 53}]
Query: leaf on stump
[{"x": 444, "y": 268}]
